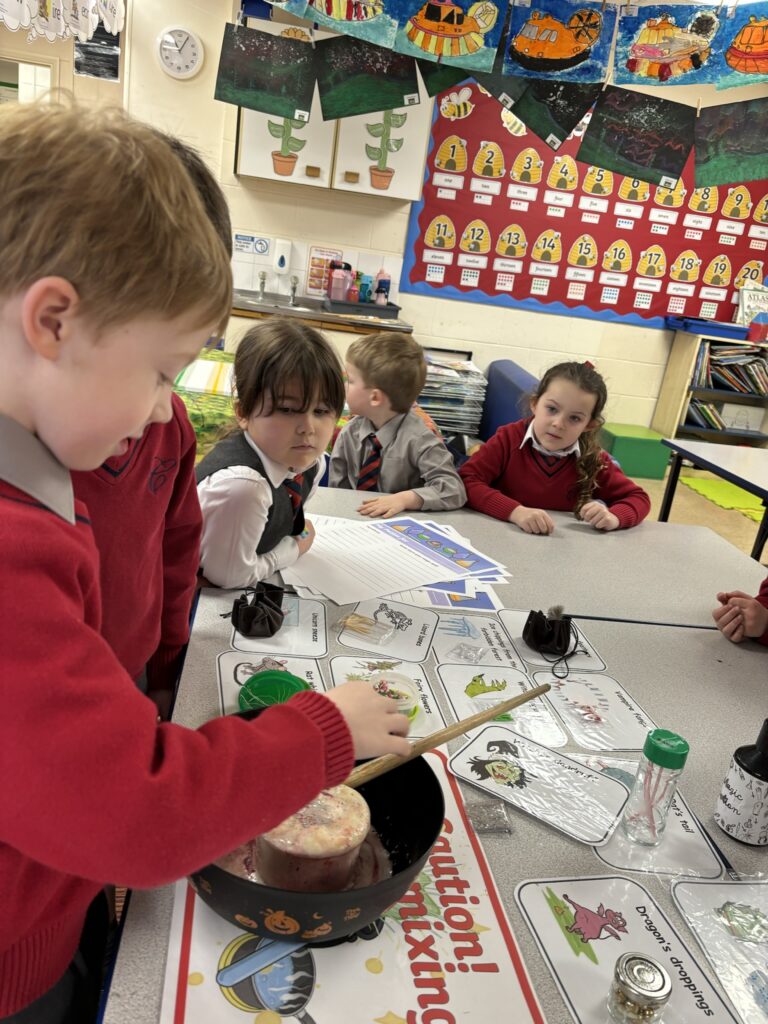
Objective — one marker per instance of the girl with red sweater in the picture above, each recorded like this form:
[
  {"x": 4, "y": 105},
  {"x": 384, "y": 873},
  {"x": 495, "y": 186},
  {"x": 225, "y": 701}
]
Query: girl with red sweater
[{"x": 553, "y": 461}]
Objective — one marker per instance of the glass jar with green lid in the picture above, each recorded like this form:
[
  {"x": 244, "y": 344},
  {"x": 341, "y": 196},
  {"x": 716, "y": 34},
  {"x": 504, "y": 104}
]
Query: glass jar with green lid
[{"x": 659, "y": 770}]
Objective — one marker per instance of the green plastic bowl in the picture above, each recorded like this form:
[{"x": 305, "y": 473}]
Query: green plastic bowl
[{"x": 268, "y": 688}]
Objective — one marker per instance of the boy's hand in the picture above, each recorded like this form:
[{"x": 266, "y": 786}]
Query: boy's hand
[
  {"x": 740, "y": 616},
  {"x": 599, "y": 516},
  {"x": 390, "y": 504},
  {"x": 532, "y": 520},
  {"x": 305, "y": 538},
  {"x": 374, "y": 721}
]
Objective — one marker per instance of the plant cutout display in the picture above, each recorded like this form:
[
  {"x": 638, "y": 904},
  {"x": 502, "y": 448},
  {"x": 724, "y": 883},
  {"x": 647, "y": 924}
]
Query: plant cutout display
[
  {"x": 265, "y": 72},
  {"x": 284, "y": 159},
  {"x": 730, "y": 143},
  {"x": 355, "y": 77},
  {"x": 639, "y": 135},
  {"x": 381, "y": 174}
]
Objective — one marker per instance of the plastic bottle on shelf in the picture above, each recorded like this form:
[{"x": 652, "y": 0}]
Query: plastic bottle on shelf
[
  {"x": 380, "y": 298},
  {"x": 366, "y": 288},
  {"x": 742, "y": 807},
  {"x": 383, "y": 281},
  {"x": 338, "y": 285},
  {"x": 659, "y": 770},
  {"x": 353, "y": 295}
]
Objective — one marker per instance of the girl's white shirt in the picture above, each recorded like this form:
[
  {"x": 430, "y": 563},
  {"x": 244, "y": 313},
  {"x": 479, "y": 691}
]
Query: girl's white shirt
[{"x": 235, "y": 502}]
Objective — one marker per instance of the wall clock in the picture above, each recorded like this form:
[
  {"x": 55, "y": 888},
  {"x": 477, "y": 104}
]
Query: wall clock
[{"x": 180, "y": 51}]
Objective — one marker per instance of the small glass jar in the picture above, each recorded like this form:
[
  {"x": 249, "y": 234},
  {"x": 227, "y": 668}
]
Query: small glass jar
[
  {"x": 639, "y": 991},
  {"x": 660, "y": 767}
]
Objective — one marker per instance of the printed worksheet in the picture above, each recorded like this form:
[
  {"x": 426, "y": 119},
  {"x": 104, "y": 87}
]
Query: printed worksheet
[
  {"x": 234, "y": 669},
  {"x": 583, "y": 659}
]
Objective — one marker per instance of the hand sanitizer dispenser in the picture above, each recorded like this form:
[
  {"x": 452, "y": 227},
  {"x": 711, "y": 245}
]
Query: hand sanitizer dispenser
[{"x": 282, "y": 256}]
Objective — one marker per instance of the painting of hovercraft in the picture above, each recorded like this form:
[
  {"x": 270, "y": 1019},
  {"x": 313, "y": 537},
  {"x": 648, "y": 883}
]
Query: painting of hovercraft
[
  {"x": 559, "y": 40},
  {"x": 665, "y": 44},
  {"x": 375, "y": 21},
  {"x": 441, "y": 30},
  {"x": 745, "y": 56}
]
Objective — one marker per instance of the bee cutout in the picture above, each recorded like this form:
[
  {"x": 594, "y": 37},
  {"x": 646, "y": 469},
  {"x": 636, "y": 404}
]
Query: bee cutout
[
  {"x": 489, "y": 161},
  {"x": 761, "y": 211},
  {"x": 598, "y": 181},
  {"x": 583, "y": 252},
  {"x": 673, "y": 197},
  {"x": 513, "y": 124},
  {"x": 652, "y": 262},
  {"x": 476, "y": 237},
  {"x": 634, "y": 190},
  {"x": 452, "y": 155},
  {"x": 737, "y": 203},
  {"x": 718, "y": 272},
  {"x": 547, "y": 248},
  {"x": 563, "y": 174},
  {"x": 704, "y": 200},
  {"x": 512, "y": 241},
  {"x": 750, "y": 273},
  {"x": 618, "y": 257},
  {"x": 528, "y": 167},
  {"x": 686, "y": 267},
  {"x": 457, "y": 105},
  {"x": 441, "y": 234}
]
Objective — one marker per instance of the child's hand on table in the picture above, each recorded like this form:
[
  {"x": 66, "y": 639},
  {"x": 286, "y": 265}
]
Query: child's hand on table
[
  {"x": 389, "y": 504},
  {"x": 740, "y": 616},
  {"x": 599, "y": 516},
  {"x": 373, "y": 719},
  {"x": 532, "y": 520},
  {"x": 305, "y": 538}
]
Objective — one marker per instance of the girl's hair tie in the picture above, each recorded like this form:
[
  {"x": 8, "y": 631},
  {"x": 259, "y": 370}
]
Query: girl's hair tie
[{"x": 589, "y": 366}]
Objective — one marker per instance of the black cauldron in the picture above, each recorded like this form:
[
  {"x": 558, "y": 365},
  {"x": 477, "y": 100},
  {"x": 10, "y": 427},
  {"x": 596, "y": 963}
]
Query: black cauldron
[{"x": 407, "y": 811}]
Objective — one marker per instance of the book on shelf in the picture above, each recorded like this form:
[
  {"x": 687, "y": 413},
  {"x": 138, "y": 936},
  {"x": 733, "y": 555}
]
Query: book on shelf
[{"x": 705, "y": 414}]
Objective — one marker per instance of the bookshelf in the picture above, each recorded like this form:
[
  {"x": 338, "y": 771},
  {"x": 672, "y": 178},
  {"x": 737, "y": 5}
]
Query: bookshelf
[{"x": 688, "y": 377}]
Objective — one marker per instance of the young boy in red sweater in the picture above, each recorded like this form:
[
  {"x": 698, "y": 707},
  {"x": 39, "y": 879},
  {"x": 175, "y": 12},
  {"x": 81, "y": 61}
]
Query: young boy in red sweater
[
  {"x": 739, "y": 616},
  {"x": 553, "y": 461},
  {"x": 111, "y": 281},
  {"x": 146, "y": 519}
]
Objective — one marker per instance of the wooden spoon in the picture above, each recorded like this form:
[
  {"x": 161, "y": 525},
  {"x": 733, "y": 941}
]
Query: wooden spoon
[{"x": 379, "y": 765}]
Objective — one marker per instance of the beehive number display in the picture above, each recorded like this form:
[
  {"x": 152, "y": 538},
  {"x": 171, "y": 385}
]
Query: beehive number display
[{"x": 505, "y": 219}]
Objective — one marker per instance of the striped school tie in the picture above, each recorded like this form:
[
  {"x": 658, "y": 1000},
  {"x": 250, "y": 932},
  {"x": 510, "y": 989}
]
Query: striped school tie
[
  {"x": 368, "y": 480},
  {"x": 293, "y": 485}
]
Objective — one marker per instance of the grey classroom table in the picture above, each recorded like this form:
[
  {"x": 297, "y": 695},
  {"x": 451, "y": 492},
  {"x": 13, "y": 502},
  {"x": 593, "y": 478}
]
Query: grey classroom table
[
  {"x": 693, "y": 680},
  {"x": 655, "y": 572}
]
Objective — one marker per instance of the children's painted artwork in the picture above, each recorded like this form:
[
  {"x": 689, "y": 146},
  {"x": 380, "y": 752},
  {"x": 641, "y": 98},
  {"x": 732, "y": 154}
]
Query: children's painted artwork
[
  {"x": 474, "y": 640},
  {"x": 464, "y": 34},
  {"x": 597, "y": 711},
  {"x": 560, "y": 40},
  {"x": 584, "y": 658},
  {"x": 582, "y": 925},
  {"x": 730, "y": 143},
  {"x": 403, "y": 681},
  {"x": 375, "y": 21},
  {"x": 475, "y": 688},
  {"x": 271, "y": 73},
  {"x": 390, "y": 629},
  {"x": 507, "y": 89},
  {"x": 234, "y": 669},
  {"x": 301, "y": 635},
  {"x": 745, "y": 46},
  {"x": 685, "y": 849},
  {"x": 668, "y": 45},
  {"x": 584, "y": 804},
  {"x": 438, "y": 77},
  {"x": 639, "y": 135},
  {"x": 451, "y": 917},
  {"x": 553, "y": 109},
  {"x": 355, "y": 77},
  {"x": 730, "y": 922}
]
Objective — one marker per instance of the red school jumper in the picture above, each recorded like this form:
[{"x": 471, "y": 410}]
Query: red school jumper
[
  {"x": 93, "y": 789},
  {"x": 762, "y": 597},
  {"x": 147, "y": 523},
  {"x": 502, "y": 475}
]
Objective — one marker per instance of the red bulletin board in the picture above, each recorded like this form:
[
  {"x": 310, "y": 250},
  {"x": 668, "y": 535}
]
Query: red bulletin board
[{"x": 506, "y": 220}]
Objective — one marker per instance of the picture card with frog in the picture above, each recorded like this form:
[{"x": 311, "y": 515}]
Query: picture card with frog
[
  {"x": 475, "y": 688},
  {"x": 234, "y": 669},
  {"x": 556, "y": 789},
  {"x": 404, "y": 681},
  {"x": 584, "y": 658},
  {"x": 583, "y": 925},
  {"x": 473, "y": 640},
  {"x": 597, "y": 711}
]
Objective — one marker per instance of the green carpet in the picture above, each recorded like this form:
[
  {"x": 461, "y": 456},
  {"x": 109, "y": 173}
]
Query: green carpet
[{"x": 726, "y": 495}]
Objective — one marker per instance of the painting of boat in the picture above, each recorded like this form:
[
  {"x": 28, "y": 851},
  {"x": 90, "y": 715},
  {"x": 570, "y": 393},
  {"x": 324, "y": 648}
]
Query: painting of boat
[
  {"x": 347, "y": 10},
  {"x": 441, "y": 28},
  {"x": 546, "y": 44},
  {"x": 664, "y": 50},
  {"x": 748, "y": 53}
]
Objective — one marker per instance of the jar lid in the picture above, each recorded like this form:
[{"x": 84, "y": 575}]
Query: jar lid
[
  {"x": 642, "y": 979},
  {"x": 269, "y": 687},
  {"x": 666, "y": 748}
]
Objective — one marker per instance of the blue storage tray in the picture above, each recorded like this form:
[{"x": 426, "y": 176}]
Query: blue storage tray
[{"x": 710, "y": 328}]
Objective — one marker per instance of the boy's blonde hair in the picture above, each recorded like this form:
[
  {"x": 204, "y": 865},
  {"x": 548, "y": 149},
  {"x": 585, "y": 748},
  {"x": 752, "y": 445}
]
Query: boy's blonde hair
[
  {"x": 103, "y": 201},
  {"x": 393, "y": 363}
]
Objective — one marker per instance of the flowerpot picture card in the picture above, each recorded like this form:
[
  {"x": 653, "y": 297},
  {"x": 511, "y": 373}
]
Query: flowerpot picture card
[{"x": 556, "y": 789}]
